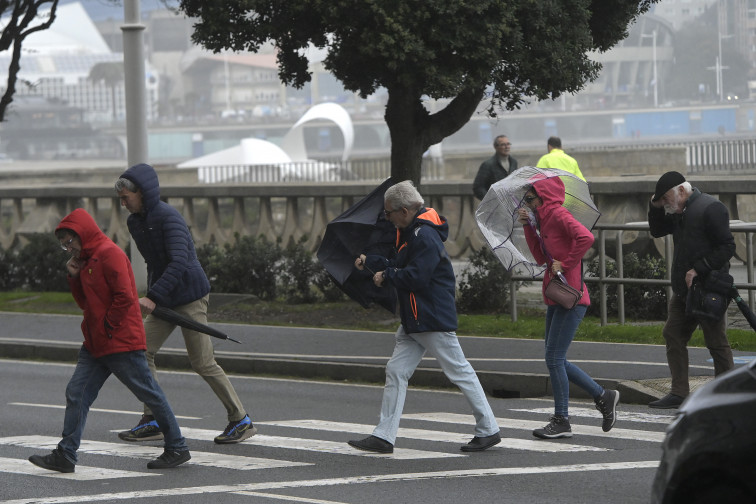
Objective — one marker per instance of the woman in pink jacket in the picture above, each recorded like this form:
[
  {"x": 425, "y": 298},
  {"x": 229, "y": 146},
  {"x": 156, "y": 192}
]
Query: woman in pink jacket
[{"x": 559, "y": 241}]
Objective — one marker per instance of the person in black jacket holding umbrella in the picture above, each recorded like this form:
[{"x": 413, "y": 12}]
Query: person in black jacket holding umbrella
[
  {"x": 175, "y": 280},
  {"x": 423, "y": 277}
]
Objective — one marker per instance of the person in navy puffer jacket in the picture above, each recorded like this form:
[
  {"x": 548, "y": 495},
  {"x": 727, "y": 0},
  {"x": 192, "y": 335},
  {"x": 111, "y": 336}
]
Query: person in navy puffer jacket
[
  {"x": 176, "y": 280},
  {"x": 423, "y": 277}
]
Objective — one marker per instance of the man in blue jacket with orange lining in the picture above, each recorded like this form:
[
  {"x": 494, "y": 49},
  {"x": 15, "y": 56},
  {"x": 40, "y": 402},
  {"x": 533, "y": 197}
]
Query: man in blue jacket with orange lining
[{"x": 423, "y": 277}]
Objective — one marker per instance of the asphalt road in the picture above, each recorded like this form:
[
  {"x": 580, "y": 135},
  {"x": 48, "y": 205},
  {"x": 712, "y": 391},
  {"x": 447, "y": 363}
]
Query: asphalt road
[{"x": 300, "y": 453}]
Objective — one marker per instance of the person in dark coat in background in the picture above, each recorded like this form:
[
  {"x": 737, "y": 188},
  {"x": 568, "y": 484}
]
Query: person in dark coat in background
[
  {"x": 423, "y": 277},
  {"x": 494, "y": 168},
  {"x": 175, "y": 280},
  {"x": 102, "y": 284}
]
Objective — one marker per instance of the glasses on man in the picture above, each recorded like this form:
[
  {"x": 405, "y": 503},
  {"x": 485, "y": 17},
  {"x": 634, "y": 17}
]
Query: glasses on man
[
  {"x": 388, "y": 213},
  {"x": 503, "y": 144},
  {"x": 66, "y": 245}
]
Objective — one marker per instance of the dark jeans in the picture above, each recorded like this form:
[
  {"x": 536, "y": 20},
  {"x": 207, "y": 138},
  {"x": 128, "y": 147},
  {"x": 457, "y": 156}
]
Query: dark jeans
[
  {"x": 677, "y": 333},
  {"x": 89, "y": 376}
]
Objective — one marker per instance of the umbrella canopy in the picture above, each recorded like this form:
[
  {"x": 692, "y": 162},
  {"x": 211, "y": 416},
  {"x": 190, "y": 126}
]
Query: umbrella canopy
[
  {"x": 174, "y": 317},
  {"x": 497, "y": 213},
  {"x": 361, "y": 229}
]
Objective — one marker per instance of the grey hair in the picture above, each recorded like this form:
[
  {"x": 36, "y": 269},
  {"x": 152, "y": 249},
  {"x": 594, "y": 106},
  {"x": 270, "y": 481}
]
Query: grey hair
[
  {"x": 403, "y": 195},
  {"x": 124, "y": 183},
  {"x": 686, "y": 185}
]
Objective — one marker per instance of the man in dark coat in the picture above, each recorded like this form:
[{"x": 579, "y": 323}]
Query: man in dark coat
[
  {"x": 700, "y": 228},
  {"x": 175, "y": 280},
  {"x": 494, "y": 168}
]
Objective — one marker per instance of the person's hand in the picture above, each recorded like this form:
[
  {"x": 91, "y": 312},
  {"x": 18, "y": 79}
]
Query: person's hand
[
  {"x": 73, "y": 265},
  {"x": 656, "y": 204},
  {"x": 359, "y": 263},
  {"x": 378, "y": 279},
  {"x": 146, "y": 305},
  {"x": 556, "y": 267},
  {"x": 523, "y": 216},
  {"x": 689, "y": 276}
]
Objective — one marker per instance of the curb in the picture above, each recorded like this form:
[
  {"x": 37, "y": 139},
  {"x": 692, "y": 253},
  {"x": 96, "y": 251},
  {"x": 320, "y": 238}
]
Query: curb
[{"x": 497, "y": 384}]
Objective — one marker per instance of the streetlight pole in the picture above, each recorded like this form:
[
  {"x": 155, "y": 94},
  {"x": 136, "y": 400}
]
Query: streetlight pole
[
  {"x": 656, "y": 81},
  {"x": 720, "y": 83}
]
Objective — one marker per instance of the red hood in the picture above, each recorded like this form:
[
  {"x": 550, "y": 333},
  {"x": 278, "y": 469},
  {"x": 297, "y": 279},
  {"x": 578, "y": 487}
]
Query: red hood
[
  {"x": 551, "y": 192},
  {"x": 81, "y": 223}
]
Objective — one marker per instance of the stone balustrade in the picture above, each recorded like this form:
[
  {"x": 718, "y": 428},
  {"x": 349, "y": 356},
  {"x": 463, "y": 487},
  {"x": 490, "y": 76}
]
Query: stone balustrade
[{"x": 285, "y": 212}]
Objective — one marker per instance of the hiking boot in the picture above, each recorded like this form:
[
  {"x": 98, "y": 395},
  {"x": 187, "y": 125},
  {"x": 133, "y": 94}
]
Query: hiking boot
[
  {"x": 169, "y": 458},
  {"x": 558, "y": 427},
  {"x": 56, "y": 461},
  {"x": 607, "y": 405},
  {"x": 237, "y": 431},
  {"x": 146, "y": 430}
]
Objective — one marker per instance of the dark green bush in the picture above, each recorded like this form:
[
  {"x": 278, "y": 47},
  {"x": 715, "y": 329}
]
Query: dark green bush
[
  {"x": 40, "y": 265},
  {"x": 642, "y": 302},
  {"x": 248, "y": 265},
  {"x": 327, "y": 286},
  {"x": 298, "y": 273},
  {"x": 485, "y": 284}
]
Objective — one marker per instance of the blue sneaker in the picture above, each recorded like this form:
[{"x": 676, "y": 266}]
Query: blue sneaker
[
  {"x": 237, "y": 431},
  {"x": 146, "y": 430}
]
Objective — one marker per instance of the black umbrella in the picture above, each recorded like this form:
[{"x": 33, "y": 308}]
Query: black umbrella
[
  {"x": 174, "y": 317},
  {"x": 361, "y": 229},
  {"x": 744, "y": 308}
]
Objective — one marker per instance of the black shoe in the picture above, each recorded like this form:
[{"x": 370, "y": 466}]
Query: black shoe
[
  {"x": 481, "y": 443},
  {"x": 146, "y": 430},
  {"x": 373, "y": 444},
  {"x": 669, "y": 401},
  {"x": 607, "y": 405},
  {"x": 54, "y": 462},
  {"x": 168, "y": 459},
  {"x": 558, "y": 427}
]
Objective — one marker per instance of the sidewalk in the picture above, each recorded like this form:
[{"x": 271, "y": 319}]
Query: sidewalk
[{"x": 507, "y": 367}]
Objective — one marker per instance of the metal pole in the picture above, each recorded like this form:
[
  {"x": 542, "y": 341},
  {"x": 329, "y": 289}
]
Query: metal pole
[
  {"x": 136, "y": 108},
  {"x": 656, "y": 81}
]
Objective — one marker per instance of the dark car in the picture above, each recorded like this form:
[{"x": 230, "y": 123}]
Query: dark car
[{"x": 709, "y": 452}]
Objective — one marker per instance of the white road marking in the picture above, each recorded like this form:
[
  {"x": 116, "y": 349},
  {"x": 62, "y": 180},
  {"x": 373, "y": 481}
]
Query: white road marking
[
  {"x": 429, "y": 435},
  {"x": 101, "y": 410},
  {"x": 320, "y": 446},
  {"x": 509, "y": 423},
  {"x": 622, "y": 416},
  {"x": 83, "y": 473},
  {"x": 353, "y": 480},
  {"x": 289, "y": 498},
  {"x": 141, "y": 451}
]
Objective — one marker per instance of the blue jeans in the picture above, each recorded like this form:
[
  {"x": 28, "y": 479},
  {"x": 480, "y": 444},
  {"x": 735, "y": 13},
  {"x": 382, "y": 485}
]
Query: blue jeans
[
  {"x": 561, "y": 325},
  {"x": 408, "y": 352},
  {"x": 89, "y": 376}
]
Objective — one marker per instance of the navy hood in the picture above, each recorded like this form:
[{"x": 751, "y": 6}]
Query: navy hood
[{"x": 146, "y": 179}]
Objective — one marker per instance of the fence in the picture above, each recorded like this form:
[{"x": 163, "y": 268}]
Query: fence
[{"x": 738, "y": 228}]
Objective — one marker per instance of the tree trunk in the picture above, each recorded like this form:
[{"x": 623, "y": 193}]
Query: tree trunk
[{"x": 413, "y": 129}]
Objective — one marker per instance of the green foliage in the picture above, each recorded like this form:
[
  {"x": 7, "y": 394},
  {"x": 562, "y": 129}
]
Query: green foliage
[
  {"x": 298, "y": 273},
  {"x": 327, "y": 286},
  {"x": 642, "y": 302},
  {"x": 248, "y": 265},
  {"x": 37, "y": 266},
  {"x": 485, "y": 284}
]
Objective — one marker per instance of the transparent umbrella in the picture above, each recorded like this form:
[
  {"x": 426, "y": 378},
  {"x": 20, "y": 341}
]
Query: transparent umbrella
[{"x": 497, "y": 213}]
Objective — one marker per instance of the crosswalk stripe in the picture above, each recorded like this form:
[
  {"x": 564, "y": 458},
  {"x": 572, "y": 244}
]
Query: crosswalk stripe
[
  {"x": 100, "y": 410},
  {"x": 430, "y": 435},
  {"x": 320, "y": 446},
  {"x": 83, "y": 473},
  {"x": 510, "y": 423},
  {"x": 141, "y": 451},
  {"x": 622, "y": 416},
  {"x": 349, "y": 480}
]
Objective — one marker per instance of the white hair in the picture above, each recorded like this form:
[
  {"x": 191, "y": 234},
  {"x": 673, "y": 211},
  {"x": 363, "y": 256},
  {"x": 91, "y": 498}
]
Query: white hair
[{"x": 403, "y": 195}]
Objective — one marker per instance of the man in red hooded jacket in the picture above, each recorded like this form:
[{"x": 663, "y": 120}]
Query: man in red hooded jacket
[{"x": 102, "y": 284}]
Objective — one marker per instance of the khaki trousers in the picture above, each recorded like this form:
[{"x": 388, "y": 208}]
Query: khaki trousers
[{"x": 199, "y": 348}]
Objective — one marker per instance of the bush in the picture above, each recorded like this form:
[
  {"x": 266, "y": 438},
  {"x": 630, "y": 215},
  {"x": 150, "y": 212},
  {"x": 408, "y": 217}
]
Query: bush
[
  {"x": 485, "y": 287},
  {"x": 249, "y": 265},
  {"x": 39, "y": 266},
  {"x": 642, "y": 302},
  {"x": 298, "y": 273}
]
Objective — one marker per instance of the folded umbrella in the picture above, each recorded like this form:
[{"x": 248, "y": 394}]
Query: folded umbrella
[
  {"x": 744, "y": 308},
  {"x": 361, "y": 229},
  {"x": 174, "y": 317}
]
